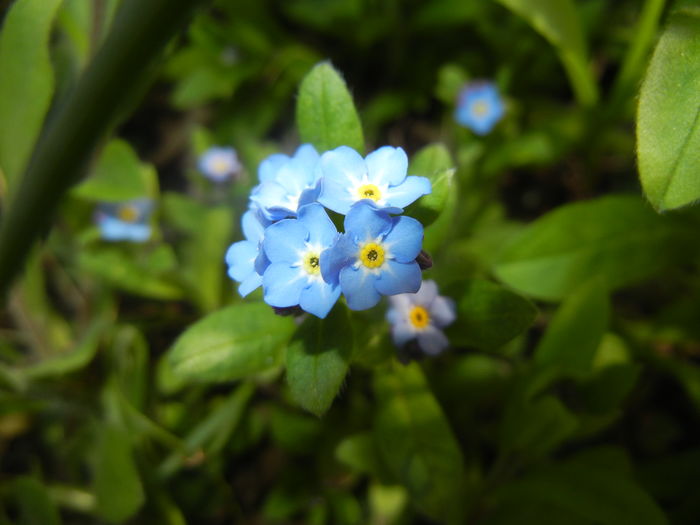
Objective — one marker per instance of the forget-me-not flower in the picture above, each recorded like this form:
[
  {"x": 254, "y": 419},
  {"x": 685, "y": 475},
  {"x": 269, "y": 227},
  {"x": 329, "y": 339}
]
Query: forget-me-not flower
[
  {"x": 294, "y": 275},
  {"x": 125, "y": 221},
  {"x": 421, "y": 316},
  {"x": 381, "y": 177},
  {"x": 219, "y": 163},
  {"x": 286, "y": 183},
  {"x": 479, "y": 107},
  {"x": 375, "y": 256},
  {"x": 246, "y": 259}
]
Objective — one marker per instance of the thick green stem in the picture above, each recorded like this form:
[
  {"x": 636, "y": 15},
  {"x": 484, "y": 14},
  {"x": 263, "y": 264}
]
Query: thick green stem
[{"x": 140, "y": 32}]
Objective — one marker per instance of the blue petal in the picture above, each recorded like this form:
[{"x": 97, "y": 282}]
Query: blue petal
[
  {"x": 251, "y": 283},
  {"x": 319, "y": 298},
  {"x": 341, "y": 254},
  {"x": 387, "y": 165},
  {"x": 321, "y": 229},
  {"x": 432, "y": 341},
  {"x": 364, "y": 222},
  {"x": 442, "y": 311},
  {"x": 138, "y": 232},
  {"x": 427, "y": 293},
  {"x": 285, "y": 240},
  {"x": 253, "y": 225},
  {"x": 270, "y": 166},
  {"x": 341, "y": 169},
  {"x": 307, "y": 154},
  {"x": 405, "y": 240},
  {"x": 397, "y": 277},
  {"x": 358, "y": 287},
  {"x": 408, "y": 191},
  {"x": 282, "y": 284},
  {"x": 310, "y": 195},
  {"x": 272, "y": 199},
  {"x": 402, "y": 332},
  {"x": 240, "y": 258}
]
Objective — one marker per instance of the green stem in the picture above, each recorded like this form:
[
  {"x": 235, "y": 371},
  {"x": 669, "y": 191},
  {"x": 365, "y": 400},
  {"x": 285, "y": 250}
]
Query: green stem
[{"x": 140, "y": 32}]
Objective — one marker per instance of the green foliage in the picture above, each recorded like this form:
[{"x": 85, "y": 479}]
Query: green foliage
[
  {"x": 231, "y": 343},
  {"x": 26, "y": 80},
  {"x": 326, "y": 114},
  {"x": 35, "y": 505},
  {"x": 435, "y": 163},
  {"x": 668, "y": 126},
  {"x": 318, "y": 358},
  {"x": 595, "y": 238}
]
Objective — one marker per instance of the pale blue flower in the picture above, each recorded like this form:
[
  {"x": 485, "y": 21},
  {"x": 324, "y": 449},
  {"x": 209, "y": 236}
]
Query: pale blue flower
[
  {"x": 380, "y": 177},
  {"x": 421, "y": 316},
  {"x": 246, "y": 259},
  {"x": 219, "y": 163},
  {"x": 125, "y": 221},
  {"x": 479, "y": 107},
  {"x": 286, "y": 183},
  {"x": 294, "y": 275},
  {"x": 375, "y": 256}
]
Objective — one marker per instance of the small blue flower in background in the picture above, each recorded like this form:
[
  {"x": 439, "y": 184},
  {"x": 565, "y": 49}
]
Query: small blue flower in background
[
  {"x": 381, "y": 177},
  {"x": 294, "y": 248},
  {"x": 246, "y": 259},
  {"x": 219, "y": 164},
  {"x": 375, "y": 256},
  {"x": 125, "y": 221},
  {"x": 286, "y": 183},
  {"x": 479, "y": 107},
  {"x": 421, "y": 316}
]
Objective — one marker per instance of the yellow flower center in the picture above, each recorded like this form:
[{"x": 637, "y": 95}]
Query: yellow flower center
[
  {"x": 372, "y": 255},
  {"x": 312, "y": 263},
  {"x": 369, "y": 191},
  {"x": 480, "y": 108},
  {"x": 419, "y": 317},
  {"x": 128, "y": 214},
  {"x": 220, "y": 166}
]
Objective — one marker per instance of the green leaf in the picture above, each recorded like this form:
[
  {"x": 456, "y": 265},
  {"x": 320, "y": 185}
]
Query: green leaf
[
  {"x": 534, "y": 428},
  {"x": 26, "y": 80},
  {"x": 435, "y": 163},
  {"x": 618, "y": 238},
  {"x": 117, "y": 483},
  {"x": 35, "y": 505},
  {"x": 326, "y": 115},
  {"x": 233, "y": 343},
  {"x": 491, "y": 315},
  {"x": 576, "y": 331},
  {"x": 668, "y": 118},
  {"x": 417, "y": 443},
  {"x": 118, "y": 175},
  {"x": 581, "y": 490},
  {"x": 560, "y": 23},
  {"x": 318, "y": 359},
  {"x": 359, "y": 452}
]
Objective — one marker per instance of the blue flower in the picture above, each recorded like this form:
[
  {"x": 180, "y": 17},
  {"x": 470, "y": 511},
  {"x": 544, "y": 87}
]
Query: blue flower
[
  {"x": 421, "y": 316},
  {"x": 294, "y": 248},
  {"x": 286, "y": 183},
  {"x": 219, "y": 164},
  {"x": 246, "y": 259},
  {"x": 381, "y": 177},
  {"x": 479, "y": 107},
  {"x": 125, "y": 221},
  {"x": 375, "y": 256}
]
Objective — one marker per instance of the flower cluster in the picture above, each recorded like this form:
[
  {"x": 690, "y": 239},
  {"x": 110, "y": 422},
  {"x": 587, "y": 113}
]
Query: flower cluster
[
  {"x": 125, "y": 221},
  {"x": 293, "y": 249},
  {"x": 479, "y": 107}
]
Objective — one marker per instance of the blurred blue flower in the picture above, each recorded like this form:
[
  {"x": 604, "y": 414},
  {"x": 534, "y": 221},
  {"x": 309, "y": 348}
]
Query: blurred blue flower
[
  {"x": 479, "y": 107},
  {"x": 125, "y": 221},
  {"x": 246, "y": 259},
  {"x": 294, "y": 248},
  {"x": 375, "y": 256},
  {"x": 380, "y": 177},
  {"x": 219, "y": 163},
  {"x": 286, "y": 183},
  {"x": 421, "y": 316}
]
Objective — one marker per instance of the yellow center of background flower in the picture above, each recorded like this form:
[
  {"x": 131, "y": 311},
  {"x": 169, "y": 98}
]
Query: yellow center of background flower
[
  {"x": 312, "y": 263},
  {"x": 372, "y": 255},
  {"x": 369, "y": 191},
  {"x": 128, "y": 214},
  {"x": 480, "y": 108},
  {"x": 220, "y": 166},
  {"x": 419, "y": 317}
]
